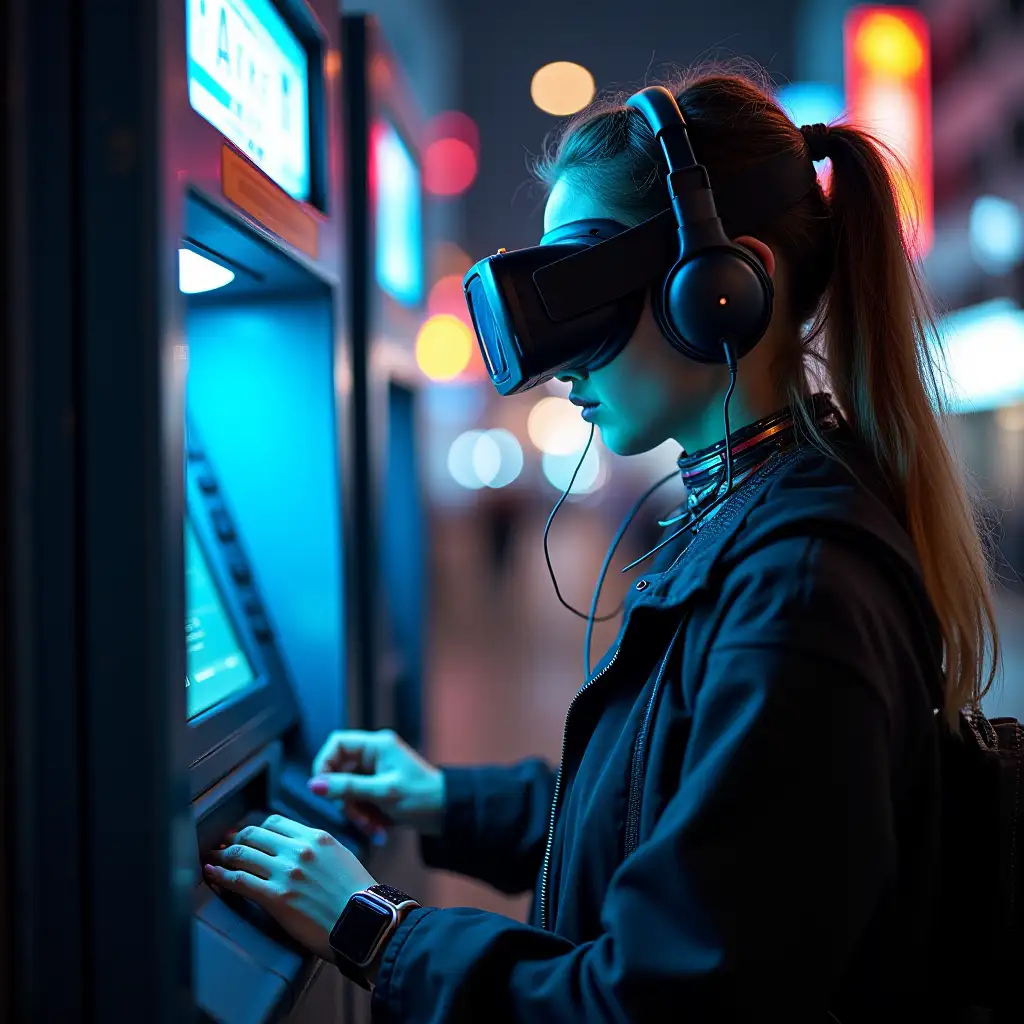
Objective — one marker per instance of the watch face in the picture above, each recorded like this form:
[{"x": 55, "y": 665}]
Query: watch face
[{"x": 359, "y": 929}]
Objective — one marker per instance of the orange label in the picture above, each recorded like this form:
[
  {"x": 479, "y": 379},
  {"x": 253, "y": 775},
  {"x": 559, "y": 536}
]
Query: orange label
[{"x": 248, "y": 188}]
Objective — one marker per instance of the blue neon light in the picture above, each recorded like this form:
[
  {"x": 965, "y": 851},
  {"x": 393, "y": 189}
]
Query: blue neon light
[
  {"x": 811, "y": 102},
  {"x": 399, "y": 218}
]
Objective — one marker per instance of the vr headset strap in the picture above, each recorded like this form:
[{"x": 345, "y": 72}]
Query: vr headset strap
[{"x": 633, "y": 260}]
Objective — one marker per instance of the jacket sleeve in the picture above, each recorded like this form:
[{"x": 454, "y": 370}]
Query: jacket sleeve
[
  {"x": 495, "y": 824},
  {"x": 764, "y": 869}
]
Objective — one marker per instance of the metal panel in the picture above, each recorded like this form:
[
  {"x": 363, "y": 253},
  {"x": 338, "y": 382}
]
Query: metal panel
[
  {"x": 46, "y": 899},
  {"x": 131, "y": 597}
]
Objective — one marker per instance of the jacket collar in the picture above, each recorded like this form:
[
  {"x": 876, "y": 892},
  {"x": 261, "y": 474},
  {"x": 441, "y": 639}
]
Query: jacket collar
[{"x": 805, "y": 495}]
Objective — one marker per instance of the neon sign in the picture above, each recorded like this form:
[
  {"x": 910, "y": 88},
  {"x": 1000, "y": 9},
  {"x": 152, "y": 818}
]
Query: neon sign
[{"x": 888, "y": 91}]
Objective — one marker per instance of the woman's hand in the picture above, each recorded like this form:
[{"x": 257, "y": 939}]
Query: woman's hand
[
  {"x": 302, "y": 877},
  {"x": 381, "y": 781}
]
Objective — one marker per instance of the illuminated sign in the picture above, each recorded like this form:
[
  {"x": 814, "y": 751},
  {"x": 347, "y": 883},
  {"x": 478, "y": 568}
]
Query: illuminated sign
[
  {"x": 398, "y": 214},
  {"x": 888, "y": 92},
  {"x": 248, "y": 75}
]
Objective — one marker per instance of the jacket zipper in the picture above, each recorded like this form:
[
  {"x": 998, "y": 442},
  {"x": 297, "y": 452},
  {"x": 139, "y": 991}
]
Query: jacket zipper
[
  {"x": 759, "y": 472},
  {"x": 638, "y": 766},
  {"x": 558, "y": 792}
]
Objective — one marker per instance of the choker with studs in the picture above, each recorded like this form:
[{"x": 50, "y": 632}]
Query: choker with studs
[{"x": 703, "y": 473}]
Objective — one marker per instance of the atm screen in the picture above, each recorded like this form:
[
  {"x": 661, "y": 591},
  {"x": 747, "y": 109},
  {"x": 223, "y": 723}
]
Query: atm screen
[
  {"x": 216, "y": 665},
  {"x": 248, "y": 75},
  {"x": 397, "y": 202}
]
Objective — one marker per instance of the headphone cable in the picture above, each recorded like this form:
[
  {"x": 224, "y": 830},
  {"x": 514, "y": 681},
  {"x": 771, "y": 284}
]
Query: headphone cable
[
  {"x": 694, "y": 520},
  {"x": 593, "y": 617}
]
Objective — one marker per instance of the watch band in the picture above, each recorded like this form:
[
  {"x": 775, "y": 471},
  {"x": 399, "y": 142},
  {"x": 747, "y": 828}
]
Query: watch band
[
  {"x": 399, "y": 903},
  {"x": 398, "y": 899}
]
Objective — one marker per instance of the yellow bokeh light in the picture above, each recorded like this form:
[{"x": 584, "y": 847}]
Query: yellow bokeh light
[
  {"x": 562, "y": 88},
  {"x": 555, "y": 427},
  {"x": 886, "y": 43},
  {"x": 444, "y": 347}
]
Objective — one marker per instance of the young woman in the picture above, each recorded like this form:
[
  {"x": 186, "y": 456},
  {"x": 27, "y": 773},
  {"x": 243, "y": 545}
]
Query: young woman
[{"x": 744, "y": 823}]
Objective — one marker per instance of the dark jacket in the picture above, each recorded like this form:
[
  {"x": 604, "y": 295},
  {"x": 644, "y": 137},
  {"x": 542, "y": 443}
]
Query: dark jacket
[{"x": 763, "y": 733}]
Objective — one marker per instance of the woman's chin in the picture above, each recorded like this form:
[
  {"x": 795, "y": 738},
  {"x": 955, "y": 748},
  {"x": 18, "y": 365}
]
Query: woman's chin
[{"x": 619, "y": 442}]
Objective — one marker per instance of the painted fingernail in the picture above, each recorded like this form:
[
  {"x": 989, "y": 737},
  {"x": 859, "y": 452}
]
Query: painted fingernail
[
  {"x": 318, "y": 786},
  {"x": 209, "y": 869}
]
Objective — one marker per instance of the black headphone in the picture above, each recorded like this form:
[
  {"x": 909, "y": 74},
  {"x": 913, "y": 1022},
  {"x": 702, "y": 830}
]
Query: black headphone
[{"x": 715, "y": 303}]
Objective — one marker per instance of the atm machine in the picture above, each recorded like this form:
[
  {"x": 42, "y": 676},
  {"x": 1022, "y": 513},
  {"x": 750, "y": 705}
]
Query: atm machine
[
  {"x": 252, "y": 132},
  {"x": 178, "y": 400},
  {"x": 387, "y": 274}
]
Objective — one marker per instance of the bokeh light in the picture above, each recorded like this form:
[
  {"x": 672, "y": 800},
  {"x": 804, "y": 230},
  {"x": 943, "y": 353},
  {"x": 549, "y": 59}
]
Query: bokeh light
[
  {"x": 556, "y": 428},
  {"x": 485, "y": 458},
  {"x": 449, "y": 167},
  {"x": 887, "y": 43},
  {"x": 460, "y": 460},
  {"x": 454, "y": 124},
  {"x": 447, "y": 296},
  {"x": 444, "y": 347},
  {"x": 558, "y": 470},
  {"x": 562, "y": 88},
  {"x": 996, "y": 233},
  {"x": 982, "y": 348}
]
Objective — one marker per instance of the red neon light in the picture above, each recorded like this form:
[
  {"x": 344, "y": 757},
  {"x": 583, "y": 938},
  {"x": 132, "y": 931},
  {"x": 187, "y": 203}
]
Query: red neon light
[{"x": 888, "y": 92}]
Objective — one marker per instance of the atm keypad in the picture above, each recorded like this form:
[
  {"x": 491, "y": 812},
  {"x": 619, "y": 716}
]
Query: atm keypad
[
  {"x": 223, "y": 525},
  {"x": 241, "y": 573}
]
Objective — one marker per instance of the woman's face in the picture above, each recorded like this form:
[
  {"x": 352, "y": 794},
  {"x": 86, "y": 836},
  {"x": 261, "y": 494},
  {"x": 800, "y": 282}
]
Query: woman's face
[{"x": 649, "y": 392}]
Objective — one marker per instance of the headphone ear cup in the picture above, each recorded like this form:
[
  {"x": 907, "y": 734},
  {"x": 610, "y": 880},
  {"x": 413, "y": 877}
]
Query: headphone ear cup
[{"x": 720, "y": 295}]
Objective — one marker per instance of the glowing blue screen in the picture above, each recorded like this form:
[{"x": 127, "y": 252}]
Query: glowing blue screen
[
  {"x": 216, "y": 666},
  {"x": 248, "y": 75},
  {"x": 398, "y": 216}
]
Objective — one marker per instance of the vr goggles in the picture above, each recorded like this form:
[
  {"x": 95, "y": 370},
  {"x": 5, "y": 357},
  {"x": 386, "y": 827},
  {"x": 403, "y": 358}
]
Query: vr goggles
[{"x": 573, "y": 301}]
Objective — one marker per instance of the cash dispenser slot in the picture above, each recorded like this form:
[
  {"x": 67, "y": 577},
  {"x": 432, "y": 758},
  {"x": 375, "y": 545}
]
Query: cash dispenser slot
[{"x": 246, "y": 969}]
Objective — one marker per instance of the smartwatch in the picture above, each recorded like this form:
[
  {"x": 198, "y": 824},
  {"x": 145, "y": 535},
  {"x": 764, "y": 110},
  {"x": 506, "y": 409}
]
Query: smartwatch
[{"x": 369, "y": 919}]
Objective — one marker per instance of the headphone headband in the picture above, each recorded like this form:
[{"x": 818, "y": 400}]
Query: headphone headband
[
  {"x": 661, "y": 111},
  {"x": 715, "y": 303}
]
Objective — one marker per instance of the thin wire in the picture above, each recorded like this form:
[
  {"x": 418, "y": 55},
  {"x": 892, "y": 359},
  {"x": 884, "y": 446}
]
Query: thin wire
[
  {"x": 730, "y": 359},
  {"x": 591, "y": 618},
  {"x": 547, "y": 530},
  {"x": 690, "y": 524},
  {"x": 688, "y": 511}
]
